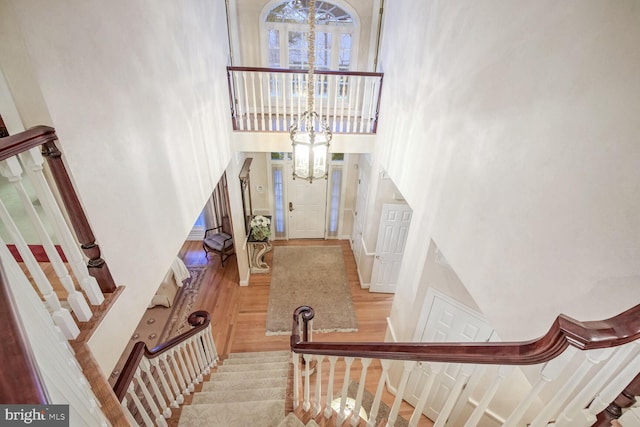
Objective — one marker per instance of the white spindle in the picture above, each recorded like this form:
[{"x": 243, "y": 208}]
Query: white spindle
[
  {"x": 254, "y": 102},
  {"x": 550, "y": 411},
  {"x": 365, "y": 104},
  {"x": 336, "y": 94},
  {"x": 432, "y": 369},
  {"x": 355, "y": 418},
  {"x": 477, "y": 414},
  {"x": 342, "y": 415},
  {"x": 145, "y": 366},
  {"x": 473, "y": 382},
  {"x": 196, "y": 358},
  {"x": 407, "y": 367},
  {"x": 454, "y": 395},
  {"x": 296, "y": 379},
  {"x": 328, "y": 411},
  {"x": 573, "y": 411},
  {"x": 159, "y": 418},
  {"x": 281, "y": 87},
  {"x": 549, "y": 372},
  {"x": 356, "y": 112},
  {"x": 270, "y": 112},
  {"x": 370, "y": 103},
  {"x": 177, "y": 369},
  {"x": 61, "y": 316},
  {"x": 245, "y": 109},
  {"x": 168, "y": 380},
  {"x": 33, "y": 162},
  {"x": 139, "y": 406},
  {"x": 613, "y": 389},
  {"x": 317, "y": 407},
  {"x": 375, "y": 406},
  {"x": 261, "y": 103},
  {"x": 306, "y": 404},
  {"x": 346, "y": 83},
  {"x": 12, "y": 170},
  {"x": 211, "y": 345},
  {"x": 192, "y": 364},
  {"x": 127, "y": 412},
  {"x": 187, "y": 370}
]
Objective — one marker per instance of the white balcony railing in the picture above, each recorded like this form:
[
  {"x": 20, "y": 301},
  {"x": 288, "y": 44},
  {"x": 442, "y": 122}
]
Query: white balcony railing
[{"x": 270, "y": 100}]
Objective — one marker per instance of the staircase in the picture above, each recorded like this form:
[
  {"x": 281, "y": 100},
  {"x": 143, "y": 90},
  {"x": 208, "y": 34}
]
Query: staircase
[{"x": 247, "y": 389}]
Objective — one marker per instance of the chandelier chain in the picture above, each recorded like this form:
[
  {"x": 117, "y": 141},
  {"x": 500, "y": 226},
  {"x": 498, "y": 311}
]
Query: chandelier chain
[{"x": 311, "y": 56}]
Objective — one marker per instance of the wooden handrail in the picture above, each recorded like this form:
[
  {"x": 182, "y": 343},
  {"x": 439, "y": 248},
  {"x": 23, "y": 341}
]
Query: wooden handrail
[
  {"x": 20, "y": 381},
  {"x": 565, "y": 331},
  {"x": 23, "y": 141},
  {"x": 198, "y": 319},
  {"x": 302, "y": 71}
]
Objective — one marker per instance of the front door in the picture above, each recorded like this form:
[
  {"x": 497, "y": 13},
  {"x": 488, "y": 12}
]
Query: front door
[
  {"x": 306, "y": 206},
  {"x": 392, "y": 236}
]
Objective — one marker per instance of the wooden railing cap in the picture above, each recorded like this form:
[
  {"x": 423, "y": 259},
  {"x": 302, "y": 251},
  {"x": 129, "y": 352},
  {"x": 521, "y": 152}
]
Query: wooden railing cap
[{"x": 565, "y": 331}]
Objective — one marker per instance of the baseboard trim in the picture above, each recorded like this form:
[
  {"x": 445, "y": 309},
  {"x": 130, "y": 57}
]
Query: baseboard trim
[{"x": 362, "y": 284}]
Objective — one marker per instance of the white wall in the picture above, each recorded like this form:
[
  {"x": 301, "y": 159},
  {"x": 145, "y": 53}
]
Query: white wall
[
  {"x": 137, "y": 92},
  {"x": 512, "y": 130}
]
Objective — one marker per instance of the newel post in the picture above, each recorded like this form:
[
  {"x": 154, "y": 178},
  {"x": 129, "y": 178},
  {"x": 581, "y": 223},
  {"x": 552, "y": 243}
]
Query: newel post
[
  {"x": 624, "y": 400},
  {"x": 96, "y": 265}
]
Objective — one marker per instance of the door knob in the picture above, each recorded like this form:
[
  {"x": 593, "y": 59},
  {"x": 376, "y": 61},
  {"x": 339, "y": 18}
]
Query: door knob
[{"x": 290, "y": 206}]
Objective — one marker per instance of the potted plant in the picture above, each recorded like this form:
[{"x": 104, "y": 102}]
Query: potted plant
[{"x": 260, "y": 228}]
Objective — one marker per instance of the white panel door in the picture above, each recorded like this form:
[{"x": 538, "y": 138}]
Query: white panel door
[
  {"x": 392, "y": 236},
  {"x": 361, "y": 206},
  {"x": 448, "y": 321},
  {"x": 307, "y": 205}
]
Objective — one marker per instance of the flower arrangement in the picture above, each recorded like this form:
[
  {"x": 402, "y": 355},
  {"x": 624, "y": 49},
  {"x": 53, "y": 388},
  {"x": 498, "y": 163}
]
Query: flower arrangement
[{"x": 260, "y": 227}]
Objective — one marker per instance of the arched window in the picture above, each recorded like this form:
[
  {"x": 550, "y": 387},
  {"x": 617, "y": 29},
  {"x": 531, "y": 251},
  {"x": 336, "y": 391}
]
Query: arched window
[{"x": 286, "y": 30}]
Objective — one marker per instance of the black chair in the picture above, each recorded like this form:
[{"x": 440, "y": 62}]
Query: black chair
[{"x": 218, "y": 242}]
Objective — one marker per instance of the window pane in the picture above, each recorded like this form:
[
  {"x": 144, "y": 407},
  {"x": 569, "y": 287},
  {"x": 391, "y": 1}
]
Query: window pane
[
  {"x": 297, "y": 11},
  {"x": 278, "y": 190},
  {"x": 298, "y": 51},
  {"x": 345, "y": 52},
  {"x": 334, "y": 202},
  {"x": 274, "y": 48}
]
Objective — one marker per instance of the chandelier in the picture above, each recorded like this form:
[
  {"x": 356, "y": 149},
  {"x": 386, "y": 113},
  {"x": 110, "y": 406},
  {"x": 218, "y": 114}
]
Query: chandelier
[{"x": 310, "y": 134}]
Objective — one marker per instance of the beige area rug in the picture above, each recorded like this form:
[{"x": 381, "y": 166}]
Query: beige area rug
[
  {"x": 313, "y": 276},
  {"x": 159, "y": 324}
]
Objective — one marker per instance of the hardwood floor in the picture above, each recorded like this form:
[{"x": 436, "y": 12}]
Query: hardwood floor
[{"x": 238, "y": 313}]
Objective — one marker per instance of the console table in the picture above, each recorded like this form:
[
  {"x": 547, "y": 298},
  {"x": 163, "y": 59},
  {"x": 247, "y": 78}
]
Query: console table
[{"x": 257, "y": 250}]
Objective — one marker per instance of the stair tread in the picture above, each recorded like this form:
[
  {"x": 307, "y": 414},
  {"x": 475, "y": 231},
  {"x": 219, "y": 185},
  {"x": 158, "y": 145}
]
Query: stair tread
[
  {"x": 233, "y": 414},
  {"x": 240, "y": 395},
  {"x": 272, "y": 373},
  {"x": 243, "y": 384},
  {"x": 250, "y": 367},
  {"x": 259, "y": 354},
  {"x": 250, "y": 360}
]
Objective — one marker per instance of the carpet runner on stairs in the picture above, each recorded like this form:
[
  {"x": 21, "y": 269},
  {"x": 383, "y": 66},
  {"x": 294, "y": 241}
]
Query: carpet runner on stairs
[{"x": 247, "y": 390}]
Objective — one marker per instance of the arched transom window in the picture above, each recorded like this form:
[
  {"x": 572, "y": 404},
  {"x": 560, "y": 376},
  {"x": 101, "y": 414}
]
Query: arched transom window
[{"x": 287, "y": 31}]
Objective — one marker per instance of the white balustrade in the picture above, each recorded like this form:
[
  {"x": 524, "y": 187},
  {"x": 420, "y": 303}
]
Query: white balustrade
[
  {"x": 271, "y": 101},
  {"x": 164, "y": 380},
  {"x": 63, "y": 380},
  {"x": 34, "y": 164}
]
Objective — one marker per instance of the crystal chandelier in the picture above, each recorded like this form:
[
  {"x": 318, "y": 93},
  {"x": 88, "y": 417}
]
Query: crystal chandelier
[{"x": 310, "y": 134}]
